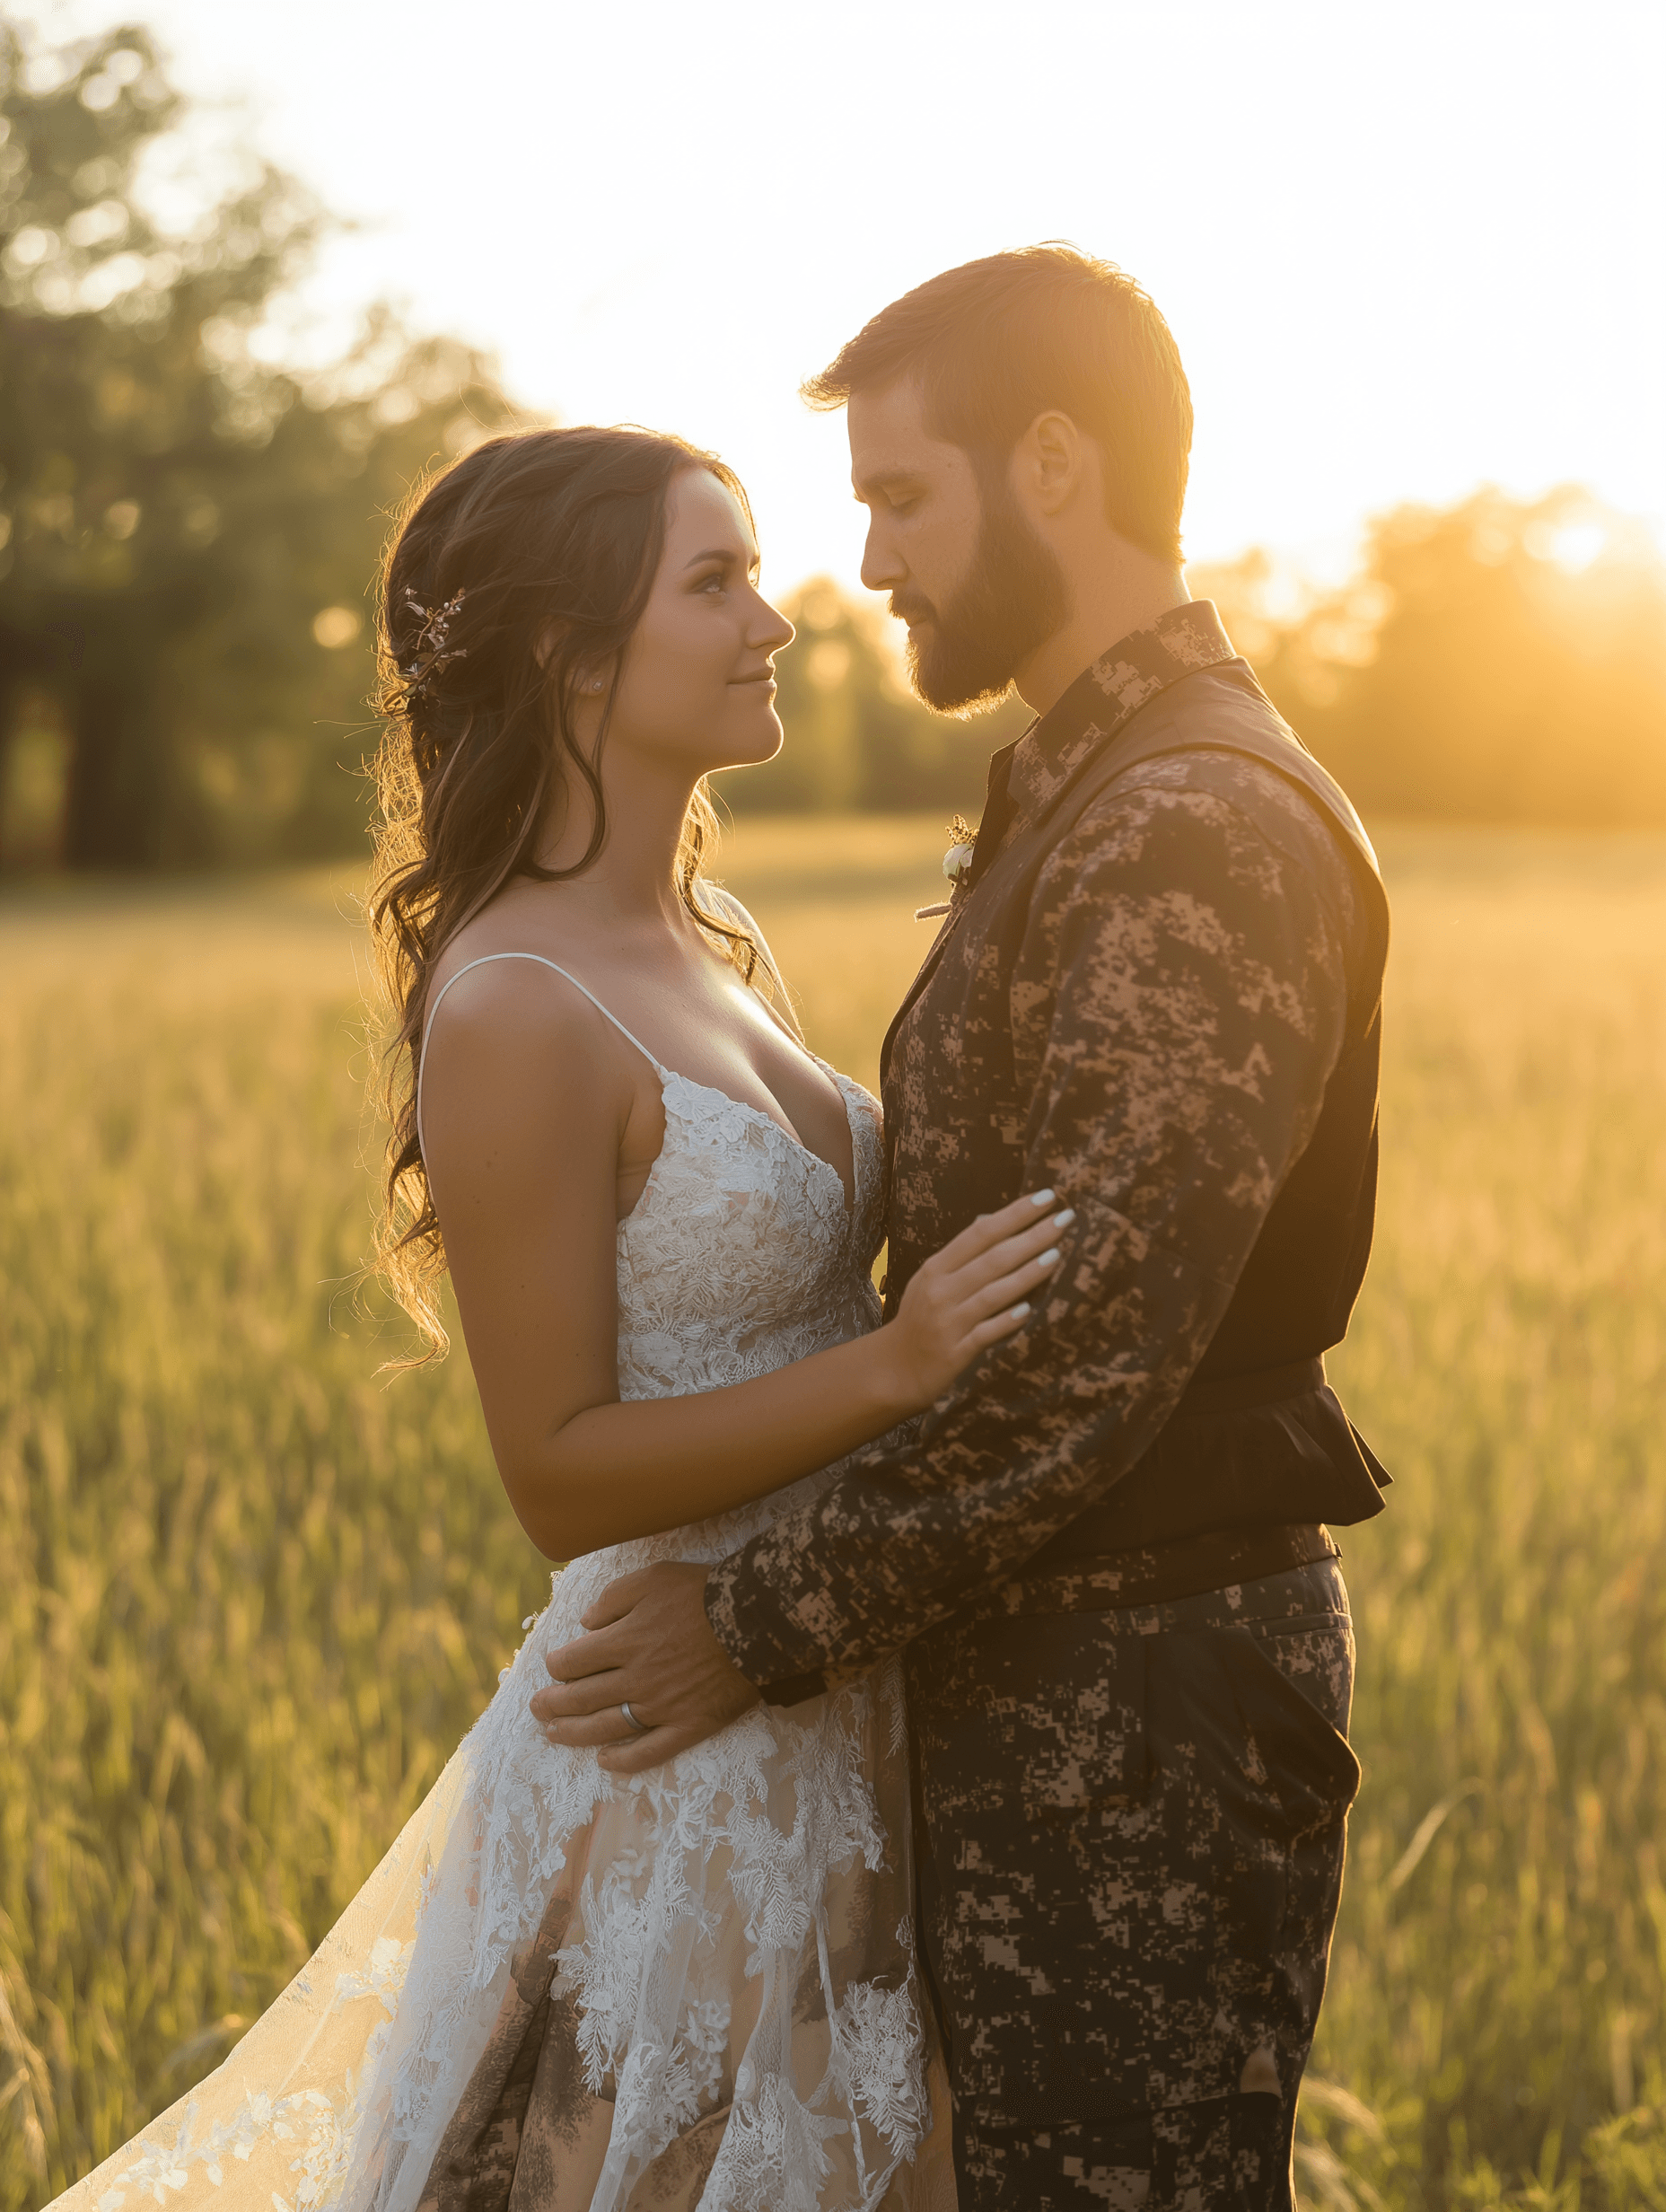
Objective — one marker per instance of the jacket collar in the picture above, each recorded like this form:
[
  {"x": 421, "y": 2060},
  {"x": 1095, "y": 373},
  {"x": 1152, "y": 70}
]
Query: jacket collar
[
  {"x": 1104, "y": 698},
  {"x": 1026, "y": 777}
]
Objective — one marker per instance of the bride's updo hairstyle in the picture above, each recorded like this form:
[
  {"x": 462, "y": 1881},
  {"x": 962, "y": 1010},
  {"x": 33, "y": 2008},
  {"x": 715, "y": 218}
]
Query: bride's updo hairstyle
[{"x": 524, "y": 563}]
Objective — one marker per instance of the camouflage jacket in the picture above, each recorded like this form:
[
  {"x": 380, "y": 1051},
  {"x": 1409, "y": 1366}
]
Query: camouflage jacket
[{"x": 1149, "y": 1031}]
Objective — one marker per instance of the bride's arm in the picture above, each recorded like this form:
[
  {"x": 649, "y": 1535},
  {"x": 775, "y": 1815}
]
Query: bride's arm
[{"x": 527, "y": 1096}]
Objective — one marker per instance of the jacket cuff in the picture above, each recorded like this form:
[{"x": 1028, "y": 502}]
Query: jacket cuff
[
  {"x": 767, "y": 1661},
  {"x": 793, "y": 1688}
]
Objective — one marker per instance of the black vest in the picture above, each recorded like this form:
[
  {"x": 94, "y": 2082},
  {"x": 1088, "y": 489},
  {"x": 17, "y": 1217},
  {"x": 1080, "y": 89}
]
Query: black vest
[{"x": 1258, "y": 1435}]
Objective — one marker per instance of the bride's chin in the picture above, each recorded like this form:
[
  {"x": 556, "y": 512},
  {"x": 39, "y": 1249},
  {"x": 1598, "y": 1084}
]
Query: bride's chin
[{"x": 767, "y": 745}]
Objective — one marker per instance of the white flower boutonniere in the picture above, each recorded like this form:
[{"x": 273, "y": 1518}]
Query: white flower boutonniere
[{"x": 956, "y": 862}]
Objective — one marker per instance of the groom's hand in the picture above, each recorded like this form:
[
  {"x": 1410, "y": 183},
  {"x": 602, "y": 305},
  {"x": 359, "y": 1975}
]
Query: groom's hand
[{"x": 649, "y": 1645}]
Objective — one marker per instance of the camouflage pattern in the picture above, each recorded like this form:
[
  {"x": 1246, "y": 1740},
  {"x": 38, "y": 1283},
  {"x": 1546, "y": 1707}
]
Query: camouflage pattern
[
  {"x": 1149, "y": 1032},
  {"x": 1132, "y": 1827},
  {"x": 1131, "y": 1802},
  {"x": 1227, "y": 2156}
]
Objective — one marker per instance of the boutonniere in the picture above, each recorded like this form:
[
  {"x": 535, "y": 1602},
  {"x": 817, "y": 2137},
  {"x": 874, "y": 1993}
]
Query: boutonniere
[{"x": 956, "y": 865}]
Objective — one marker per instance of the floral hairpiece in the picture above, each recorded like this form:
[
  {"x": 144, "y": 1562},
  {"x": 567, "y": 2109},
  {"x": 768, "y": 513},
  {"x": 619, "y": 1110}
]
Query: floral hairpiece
[{"x": 429, "y": 654}]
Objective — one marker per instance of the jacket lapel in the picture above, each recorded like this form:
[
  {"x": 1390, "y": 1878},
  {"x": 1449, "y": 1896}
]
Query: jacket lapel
[
  {"x": 1135, "y": 672},
  {"x": 996, "y": 808}
]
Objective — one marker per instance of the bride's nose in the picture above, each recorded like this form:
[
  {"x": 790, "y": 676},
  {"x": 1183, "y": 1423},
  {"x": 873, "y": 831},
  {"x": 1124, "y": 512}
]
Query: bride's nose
[{"x": 770, "y": 630}]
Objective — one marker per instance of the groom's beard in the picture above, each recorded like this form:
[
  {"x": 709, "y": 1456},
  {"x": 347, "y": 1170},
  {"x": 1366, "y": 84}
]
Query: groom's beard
[{"x": 968, "y": 650}]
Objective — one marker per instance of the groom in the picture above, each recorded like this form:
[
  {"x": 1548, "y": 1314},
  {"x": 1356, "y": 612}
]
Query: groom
[{"x": 1126, "y": 1642}]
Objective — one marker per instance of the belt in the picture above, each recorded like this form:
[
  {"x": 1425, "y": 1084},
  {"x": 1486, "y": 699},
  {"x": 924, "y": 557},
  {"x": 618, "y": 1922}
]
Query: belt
[
  {"x": 1184, "y": 1566},
  {"x": 1237, "y": 1393}
]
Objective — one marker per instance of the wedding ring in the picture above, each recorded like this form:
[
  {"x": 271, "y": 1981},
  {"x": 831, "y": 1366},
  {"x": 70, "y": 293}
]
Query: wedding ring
[{"x": 641, "y": 1726}]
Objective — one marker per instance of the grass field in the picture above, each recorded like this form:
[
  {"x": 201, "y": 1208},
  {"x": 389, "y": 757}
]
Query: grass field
[{"x": 252, "y": 1596}]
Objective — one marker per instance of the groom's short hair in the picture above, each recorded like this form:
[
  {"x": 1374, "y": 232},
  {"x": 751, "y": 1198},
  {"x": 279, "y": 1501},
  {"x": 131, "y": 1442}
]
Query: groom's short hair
[{"x": 997, "y": 342}]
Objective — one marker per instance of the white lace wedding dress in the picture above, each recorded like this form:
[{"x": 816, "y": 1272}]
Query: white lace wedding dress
[{"x": 560, "y": 1990}]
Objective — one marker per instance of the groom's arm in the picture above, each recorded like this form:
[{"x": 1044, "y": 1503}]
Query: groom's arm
[{"x": 1196, "y": 972}]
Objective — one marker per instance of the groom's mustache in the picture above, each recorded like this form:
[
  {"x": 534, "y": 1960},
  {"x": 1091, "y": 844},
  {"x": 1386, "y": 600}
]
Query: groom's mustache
[{"x": 912, "y": 611}]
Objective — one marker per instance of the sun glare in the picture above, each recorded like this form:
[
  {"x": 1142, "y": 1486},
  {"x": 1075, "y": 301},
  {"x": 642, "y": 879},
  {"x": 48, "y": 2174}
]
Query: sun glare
[
  {"x": 1573, "y": 546},
  {"x": 1577, "y": 544}
]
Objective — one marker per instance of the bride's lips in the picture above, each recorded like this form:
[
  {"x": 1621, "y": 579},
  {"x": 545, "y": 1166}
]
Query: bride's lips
[{"x": 763, "y": 676}]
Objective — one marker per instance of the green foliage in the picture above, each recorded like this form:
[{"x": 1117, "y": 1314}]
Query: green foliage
[
  {"x": 253, "y": 1597},
  {"x": 1499, "y": 661},
  {"x": 188, "y": 534}
]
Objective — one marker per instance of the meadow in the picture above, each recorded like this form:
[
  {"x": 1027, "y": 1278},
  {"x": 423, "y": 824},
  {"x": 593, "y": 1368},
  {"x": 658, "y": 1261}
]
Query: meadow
[{"x": 252, "y": 1591}]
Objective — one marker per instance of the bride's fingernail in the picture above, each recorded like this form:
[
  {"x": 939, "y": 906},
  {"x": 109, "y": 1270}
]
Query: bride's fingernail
[
  {"x": 1063, "y": 1220},
  {"x": 1040, "y": 1198},
  {"x": 1019, "y": 1313},
  {"x": 1048, "y": 1258}
]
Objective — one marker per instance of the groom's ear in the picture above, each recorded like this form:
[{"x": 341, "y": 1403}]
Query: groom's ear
[{"x": 1055, "y": 463}]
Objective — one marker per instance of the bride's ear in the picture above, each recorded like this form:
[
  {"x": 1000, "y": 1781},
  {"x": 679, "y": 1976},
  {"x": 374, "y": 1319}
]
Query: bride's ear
[{"x": 588, "y": 682}]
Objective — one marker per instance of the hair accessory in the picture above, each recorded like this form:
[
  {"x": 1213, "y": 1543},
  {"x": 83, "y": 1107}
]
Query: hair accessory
[{"x": 429, "y": 654}]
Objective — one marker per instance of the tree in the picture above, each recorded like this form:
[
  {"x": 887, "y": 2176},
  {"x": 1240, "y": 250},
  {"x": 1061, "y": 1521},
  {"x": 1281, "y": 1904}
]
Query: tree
[
  {"x": 1497, "y": 661},
  {"x": 186, "y": 531}
]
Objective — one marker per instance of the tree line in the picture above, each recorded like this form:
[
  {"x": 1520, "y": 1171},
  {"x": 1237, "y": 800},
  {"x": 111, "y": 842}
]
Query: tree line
[
  {"x": 1497, "y": 661},
  {"x": 187, "y": 533}
]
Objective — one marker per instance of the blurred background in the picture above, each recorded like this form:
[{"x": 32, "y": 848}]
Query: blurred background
[
  {"x": 257, "y": 274},
  {"x": 252, "y": 284}
]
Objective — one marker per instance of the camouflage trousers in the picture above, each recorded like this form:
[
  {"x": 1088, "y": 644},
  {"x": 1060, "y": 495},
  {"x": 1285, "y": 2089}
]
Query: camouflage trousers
[{"x": 1131, "y": 1833}]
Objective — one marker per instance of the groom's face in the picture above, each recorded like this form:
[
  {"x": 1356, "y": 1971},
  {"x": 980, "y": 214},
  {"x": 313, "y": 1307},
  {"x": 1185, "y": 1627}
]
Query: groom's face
[{"x": 979, "y": 590}]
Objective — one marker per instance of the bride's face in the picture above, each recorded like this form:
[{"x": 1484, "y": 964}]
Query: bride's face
[{"x": 696, "y": 689}]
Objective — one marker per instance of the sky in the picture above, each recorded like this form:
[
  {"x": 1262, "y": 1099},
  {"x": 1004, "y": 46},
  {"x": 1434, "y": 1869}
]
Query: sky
[{"x": 1405, "y": 249}]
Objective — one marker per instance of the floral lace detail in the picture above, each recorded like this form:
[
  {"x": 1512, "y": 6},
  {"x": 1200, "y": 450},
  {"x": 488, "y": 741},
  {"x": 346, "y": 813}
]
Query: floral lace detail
[
  {"x": 883, "y": 2047},
  {"x": 727, "y": 1951},
  {"x": 696, "y": 1310},
  {"x": 309, "y": 2121}
]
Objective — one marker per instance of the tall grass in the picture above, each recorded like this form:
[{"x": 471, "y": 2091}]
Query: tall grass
[
  {"x": 252, "y": 1596},
  {"x": 1499, "y": 1988}
]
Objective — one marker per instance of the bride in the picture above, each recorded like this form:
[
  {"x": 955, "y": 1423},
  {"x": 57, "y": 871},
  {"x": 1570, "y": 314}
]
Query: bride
[{"x": 563, "y": 1989}]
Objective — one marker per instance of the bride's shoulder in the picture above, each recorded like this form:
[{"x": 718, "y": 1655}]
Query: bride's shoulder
[
  {"x": 511, "y": 1048},
  {"x": 488, "y": 987}
]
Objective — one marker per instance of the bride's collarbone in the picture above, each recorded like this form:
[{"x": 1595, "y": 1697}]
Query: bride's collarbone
[
  {"x": 699, "y": 1023},
  {"x": 735, "y": 1053}
]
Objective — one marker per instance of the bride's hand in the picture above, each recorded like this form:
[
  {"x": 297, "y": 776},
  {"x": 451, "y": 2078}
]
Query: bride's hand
[{"x": 970, "y": 1295}]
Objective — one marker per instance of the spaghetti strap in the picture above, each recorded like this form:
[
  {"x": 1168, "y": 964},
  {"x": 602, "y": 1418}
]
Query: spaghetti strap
[{"x": 485, "y": 960}]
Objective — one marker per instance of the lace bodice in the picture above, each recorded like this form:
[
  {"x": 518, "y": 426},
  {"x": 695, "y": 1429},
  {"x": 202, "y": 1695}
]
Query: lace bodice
[{"x": 742, "y": 1253}]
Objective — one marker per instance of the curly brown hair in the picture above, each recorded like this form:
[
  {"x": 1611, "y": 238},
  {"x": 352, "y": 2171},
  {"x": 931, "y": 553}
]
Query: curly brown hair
[{"x": 527, "y": 560}]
